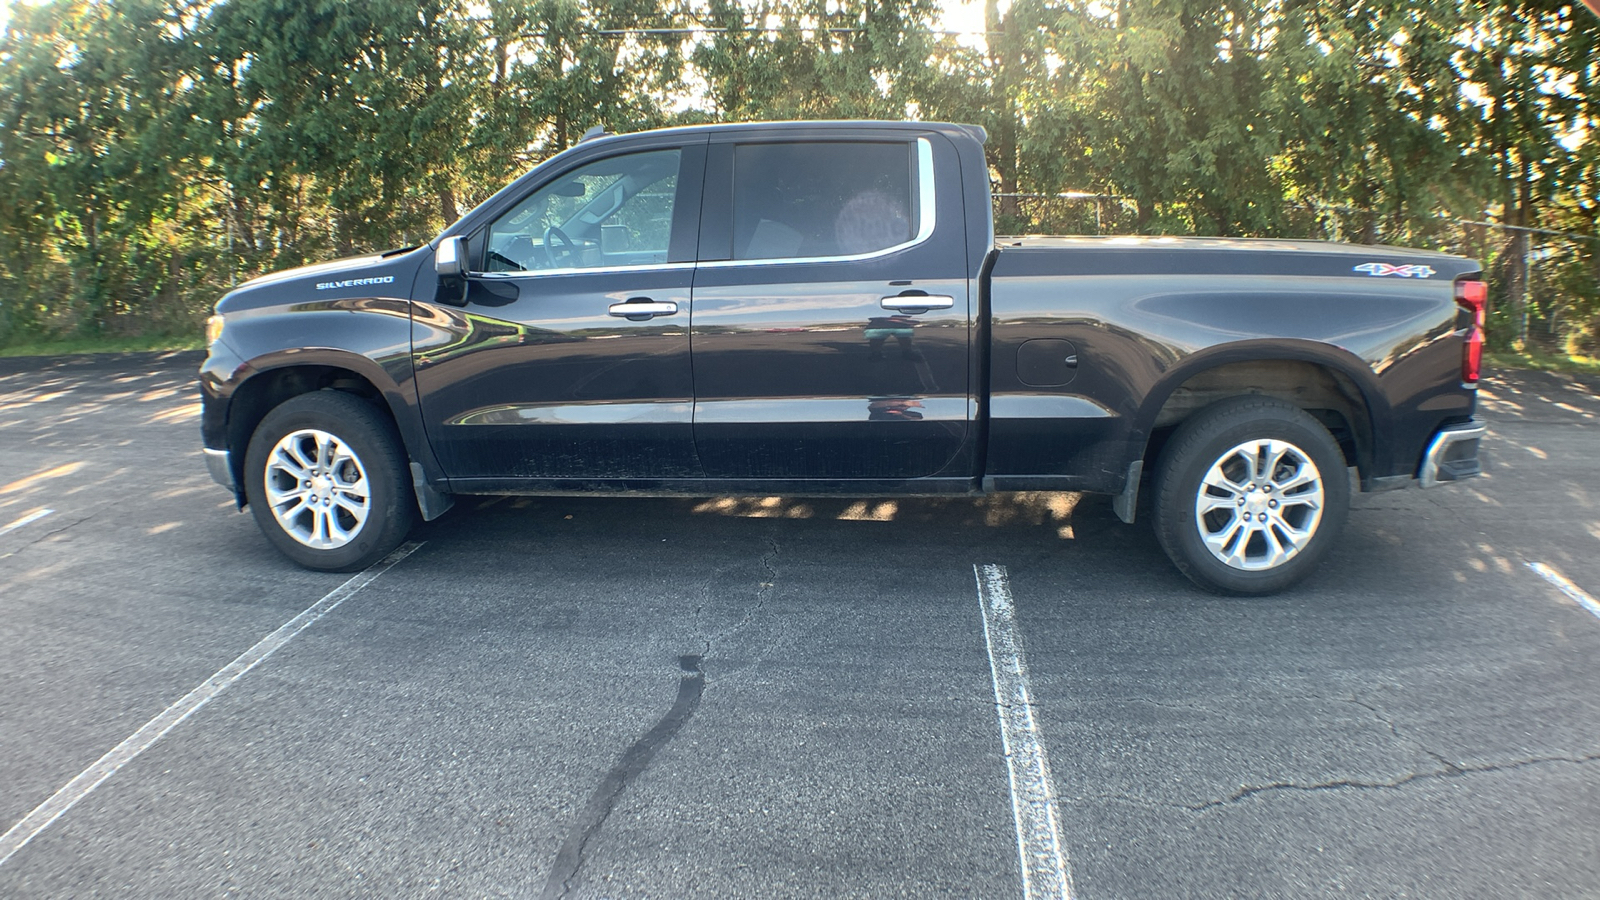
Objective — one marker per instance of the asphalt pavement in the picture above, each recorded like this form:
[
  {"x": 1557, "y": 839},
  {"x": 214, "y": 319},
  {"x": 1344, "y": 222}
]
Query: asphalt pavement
[{"x": 782, "y": 697}]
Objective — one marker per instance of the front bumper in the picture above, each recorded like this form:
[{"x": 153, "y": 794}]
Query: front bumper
[
  {"x": 221, "y": 466},
  {"x": 1453, "y": 454}
]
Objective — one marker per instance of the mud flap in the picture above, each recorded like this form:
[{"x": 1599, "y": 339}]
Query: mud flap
[{"x": 1126, "y": 503}]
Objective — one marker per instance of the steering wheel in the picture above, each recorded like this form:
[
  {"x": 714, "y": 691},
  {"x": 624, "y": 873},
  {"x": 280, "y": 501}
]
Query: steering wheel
[{"x": 566, "y": 255}]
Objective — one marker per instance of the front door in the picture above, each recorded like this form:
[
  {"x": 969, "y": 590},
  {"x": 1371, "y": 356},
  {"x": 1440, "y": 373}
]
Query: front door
[
  {"x": 570, "y": 356},
  {"x": 831, "y": 310}
]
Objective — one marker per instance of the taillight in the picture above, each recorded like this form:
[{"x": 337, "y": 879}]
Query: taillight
[{"x": 1472, "y": 296}]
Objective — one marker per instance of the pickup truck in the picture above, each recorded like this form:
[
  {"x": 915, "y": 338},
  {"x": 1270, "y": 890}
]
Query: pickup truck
[{"x": 823, "y": 308}]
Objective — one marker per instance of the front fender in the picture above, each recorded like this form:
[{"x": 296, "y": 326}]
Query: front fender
[{"x": 368, "y": 337}]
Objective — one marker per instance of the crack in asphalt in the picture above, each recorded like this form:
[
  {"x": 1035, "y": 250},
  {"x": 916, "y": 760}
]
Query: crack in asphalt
[
  {"x": 691, "y": 687},
  {"x": 1451, "y": 767},
  {"x": 767, "y": 560},
  {"x": 38, "y": 537},
  {"x": 1453, "y": 771},
  {"x": 570, "y": 858},
  {"x": 705, "y": 592}
]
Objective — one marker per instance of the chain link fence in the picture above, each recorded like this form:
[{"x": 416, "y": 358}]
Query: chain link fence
[{"x": 1544, "y": 285}]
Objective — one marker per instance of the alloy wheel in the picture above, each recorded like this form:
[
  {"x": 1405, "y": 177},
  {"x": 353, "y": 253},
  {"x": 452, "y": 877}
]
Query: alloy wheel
[
  {"x": 317, "y": 489},
  {"x": 1259, "y": 504}
]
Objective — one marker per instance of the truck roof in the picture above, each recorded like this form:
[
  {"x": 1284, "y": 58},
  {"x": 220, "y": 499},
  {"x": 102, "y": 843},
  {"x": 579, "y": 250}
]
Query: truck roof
[{"x": 800, "y": 126}]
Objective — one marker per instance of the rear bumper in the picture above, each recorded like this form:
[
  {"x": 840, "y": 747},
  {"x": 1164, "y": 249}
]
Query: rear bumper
[{"x": 1453, "y": 454}]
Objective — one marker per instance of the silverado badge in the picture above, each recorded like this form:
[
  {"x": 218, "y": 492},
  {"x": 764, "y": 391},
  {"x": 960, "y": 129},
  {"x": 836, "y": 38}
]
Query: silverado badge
[{"x": 354, "y": 282}]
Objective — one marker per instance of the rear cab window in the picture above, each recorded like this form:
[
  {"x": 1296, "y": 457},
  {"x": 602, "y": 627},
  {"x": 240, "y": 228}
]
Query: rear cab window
[{"x": 817, "y": 200}]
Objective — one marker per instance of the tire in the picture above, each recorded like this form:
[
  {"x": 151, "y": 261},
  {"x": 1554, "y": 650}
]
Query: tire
[
  {"x": 325, "y": 475},
  {"x": 1205, "y": 488}
]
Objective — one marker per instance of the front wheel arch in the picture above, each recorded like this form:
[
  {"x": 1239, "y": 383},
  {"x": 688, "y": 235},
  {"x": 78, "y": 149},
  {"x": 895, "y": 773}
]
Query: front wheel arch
[{"x": 267, "y": 389}]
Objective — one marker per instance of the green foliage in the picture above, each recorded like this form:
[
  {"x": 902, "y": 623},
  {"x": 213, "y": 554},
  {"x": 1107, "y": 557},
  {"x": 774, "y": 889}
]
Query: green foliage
[
  {"x": 1548, "y": 362},
  {"x": 1168, "y": 103},
  {"x": 104, "y": 344},
  {"x": 87, "y": 203},
  {"x": 815, "y": 59},
  {"x": 153, "y": 152}
]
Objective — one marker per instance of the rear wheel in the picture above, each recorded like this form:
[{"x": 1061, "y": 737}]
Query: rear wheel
[
  {"x": 1250, "y": 495},
  {"x": 325, "y": 477}
]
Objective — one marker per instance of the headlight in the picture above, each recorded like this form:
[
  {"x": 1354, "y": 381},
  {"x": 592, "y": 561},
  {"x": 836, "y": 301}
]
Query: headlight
[{"x": 213, "y": 330}]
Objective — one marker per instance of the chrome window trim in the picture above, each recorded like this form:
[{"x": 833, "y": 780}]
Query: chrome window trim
[
  {"x": 927, "y": 201},
  {"x": 580, "y": 270},
  {"x": 926, "y": 220},
  {"x": 925, "y": 196}
]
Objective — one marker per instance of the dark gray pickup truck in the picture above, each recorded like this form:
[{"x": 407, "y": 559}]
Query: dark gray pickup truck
[{"x": 823, "y": 307}]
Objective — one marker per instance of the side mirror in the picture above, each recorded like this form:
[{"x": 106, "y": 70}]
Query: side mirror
[{"x": 449, "y": 259}]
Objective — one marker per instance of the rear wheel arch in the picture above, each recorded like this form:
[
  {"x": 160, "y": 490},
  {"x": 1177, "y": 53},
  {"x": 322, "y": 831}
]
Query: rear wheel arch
[{"x": 1331, "y": 390}]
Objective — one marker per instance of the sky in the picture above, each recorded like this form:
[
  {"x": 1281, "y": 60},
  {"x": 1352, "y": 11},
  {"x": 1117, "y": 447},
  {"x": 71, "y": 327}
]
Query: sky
[{"x": 960, "y": 16}]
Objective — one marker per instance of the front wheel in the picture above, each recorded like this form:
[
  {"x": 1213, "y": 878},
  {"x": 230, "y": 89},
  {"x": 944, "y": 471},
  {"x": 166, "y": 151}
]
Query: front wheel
[
  {"x": 1250, "y": 496},
  {"x": 325, "y": 477}
]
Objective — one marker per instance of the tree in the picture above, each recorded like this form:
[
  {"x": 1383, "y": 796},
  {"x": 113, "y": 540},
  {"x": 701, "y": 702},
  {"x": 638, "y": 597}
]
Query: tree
[
  {"x": 850, "y": 59},
  {"x": 84, "y": 183},
  {"x": 153, "y": 151},
  {"x": 1368, "y": 116}
]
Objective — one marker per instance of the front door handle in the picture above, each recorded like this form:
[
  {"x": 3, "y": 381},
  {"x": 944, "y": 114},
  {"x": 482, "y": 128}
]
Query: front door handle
[
  {"x": 638, "y": 309},
  {"x": 916, "y": 302}
]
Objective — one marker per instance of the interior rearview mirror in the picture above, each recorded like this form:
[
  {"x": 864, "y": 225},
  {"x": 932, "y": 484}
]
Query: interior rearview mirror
[{"x": 449, "y": 259}]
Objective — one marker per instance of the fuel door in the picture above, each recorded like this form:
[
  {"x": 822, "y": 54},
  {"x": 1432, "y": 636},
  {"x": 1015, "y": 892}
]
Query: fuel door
[{"x": 1046, "y": 362}]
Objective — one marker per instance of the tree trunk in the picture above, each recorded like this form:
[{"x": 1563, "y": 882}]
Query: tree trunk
[
  {"x": 1145, "y": 211},
  {"x": 1516, "y": 269},
  {"x": 447, "y": 205}
]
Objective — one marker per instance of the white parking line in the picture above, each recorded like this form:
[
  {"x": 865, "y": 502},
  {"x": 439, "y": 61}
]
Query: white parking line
[
  {"x": 28, "y": 519},
  {"x": 1033, "y": 804},
  {"x": 140, "y": 741},
  {"x": 1565, "y": 586}
]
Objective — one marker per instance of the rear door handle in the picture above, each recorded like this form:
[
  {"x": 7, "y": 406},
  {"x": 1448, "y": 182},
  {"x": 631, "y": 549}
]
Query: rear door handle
[
  {"x": 919, "y": 302},
  {"x": 639, "y": 309}
]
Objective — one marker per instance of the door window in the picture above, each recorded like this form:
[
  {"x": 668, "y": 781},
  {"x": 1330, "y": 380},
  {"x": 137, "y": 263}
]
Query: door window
[
  {"x": 609, "y": 213},
  {"x": 818, "y": 199}
]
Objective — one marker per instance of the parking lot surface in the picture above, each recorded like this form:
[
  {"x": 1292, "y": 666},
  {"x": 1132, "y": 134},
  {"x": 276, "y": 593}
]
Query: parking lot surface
[{"x": 785, "y": 697}]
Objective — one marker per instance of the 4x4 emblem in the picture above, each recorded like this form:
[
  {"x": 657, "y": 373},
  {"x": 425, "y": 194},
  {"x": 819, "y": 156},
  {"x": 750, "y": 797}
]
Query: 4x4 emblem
[{"x": 1377, "y": 269}]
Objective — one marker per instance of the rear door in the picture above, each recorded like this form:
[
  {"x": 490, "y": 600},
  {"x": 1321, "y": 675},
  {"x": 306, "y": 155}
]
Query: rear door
[{"x": 832, "y": 318}]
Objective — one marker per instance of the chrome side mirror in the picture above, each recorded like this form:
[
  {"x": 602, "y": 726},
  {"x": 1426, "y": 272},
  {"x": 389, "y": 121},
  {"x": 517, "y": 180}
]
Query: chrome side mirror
[{"x": 449, "y": 259}]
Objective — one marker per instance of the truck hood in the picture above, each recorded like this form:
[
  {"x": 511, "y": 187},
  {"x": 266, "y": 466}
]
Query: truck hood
[
  {"x": 386, "y": 274},
  {"x": 332, "y": 267}
]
